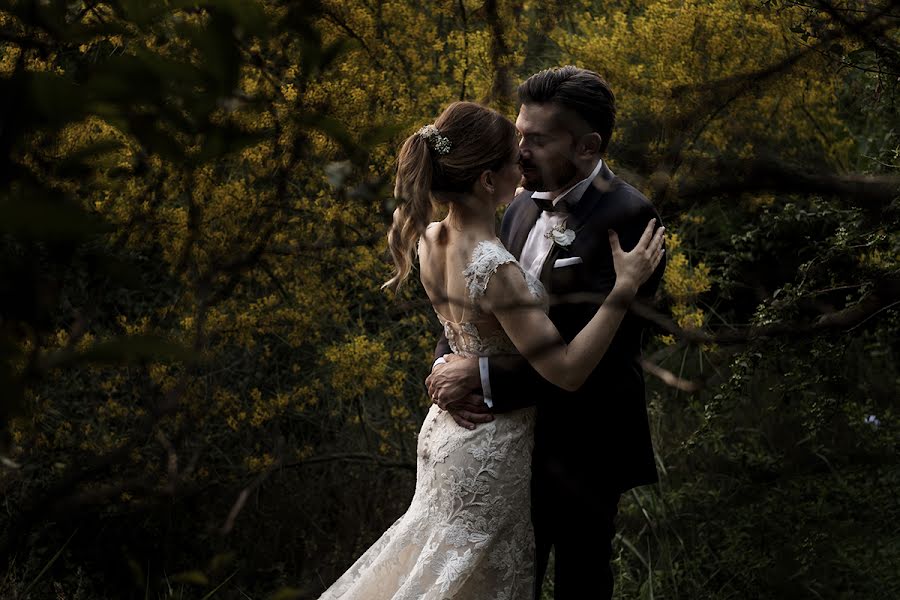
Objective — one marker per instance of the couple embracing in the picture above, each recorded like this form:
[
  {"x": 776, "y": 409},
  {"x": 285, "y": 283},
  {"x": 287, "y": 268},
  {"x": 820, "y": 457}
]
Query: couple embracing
[{"x": 539, "y": 422}]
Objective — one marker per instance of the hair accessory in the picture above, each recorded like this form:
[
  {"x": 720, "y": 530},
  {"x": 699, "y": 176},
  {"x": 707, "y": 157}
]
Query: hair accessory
[{"x": 436, "y": 141}]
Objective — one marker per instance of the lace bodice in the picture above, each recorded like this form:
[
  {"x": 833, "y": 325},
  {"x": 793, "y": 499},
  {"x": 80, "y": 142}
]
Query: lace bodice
[{"x": 480, "y": 334}]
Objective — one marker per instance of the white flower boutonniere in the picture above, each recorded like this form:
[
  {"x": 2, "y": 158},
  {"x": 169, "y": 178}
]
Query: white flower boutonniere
[{"x": 560, "y": 235}]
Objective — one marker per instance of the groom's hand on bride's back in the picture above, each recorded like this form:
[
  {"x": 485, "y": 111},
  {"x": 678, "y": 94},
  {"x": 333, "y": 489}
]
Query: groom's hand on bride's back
[
  {"x": 468, "y": 411},
  {"x": 455, "y": 386},
  {"x": 453, "y": 378}
]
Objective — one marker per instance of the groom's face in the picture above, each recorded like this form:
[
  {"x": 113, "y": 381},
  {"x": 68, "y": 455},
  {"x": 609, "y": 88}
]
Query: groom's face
[{"x": 546, "y": 148}]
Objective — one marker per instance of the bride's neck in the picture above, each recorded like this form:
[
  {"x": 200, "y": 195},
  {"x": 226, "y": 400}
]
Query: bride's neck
[{"x": 473, "y": 216}]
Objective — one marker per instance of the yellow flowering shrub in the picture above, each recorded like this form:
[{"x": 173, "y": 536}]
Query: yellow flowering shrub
[{"x": 230, "y": 236}]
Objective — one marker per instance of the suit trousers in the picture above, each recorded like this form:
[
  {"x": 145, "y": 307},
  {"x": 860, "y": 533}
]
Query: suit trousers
[{"x": 579, "y": 527}]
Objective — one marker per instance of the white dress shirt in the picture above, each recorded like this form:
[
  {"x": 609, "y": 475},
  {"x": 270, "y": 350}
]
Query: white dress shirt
[{"x": 537, "y": 245}]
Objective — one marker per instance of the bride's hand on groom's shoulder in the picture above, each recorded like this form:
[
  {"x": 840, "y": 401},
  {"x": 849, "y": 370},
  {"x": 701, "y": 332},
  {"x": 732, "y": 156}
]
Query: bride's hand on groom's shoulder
[{"x": 635, "y": 267}]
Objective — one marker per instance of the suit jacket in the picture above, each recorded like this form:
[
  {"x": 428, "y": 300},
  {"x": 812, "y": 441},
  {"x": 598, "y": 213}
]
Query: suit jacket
[{"x": 598, "y": 434}]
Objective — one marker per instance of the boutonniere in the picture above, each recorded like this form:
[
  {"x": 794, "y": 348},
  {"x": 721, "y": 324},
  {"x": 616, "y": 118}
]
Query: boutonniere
[{"x": 560, "y": 235}]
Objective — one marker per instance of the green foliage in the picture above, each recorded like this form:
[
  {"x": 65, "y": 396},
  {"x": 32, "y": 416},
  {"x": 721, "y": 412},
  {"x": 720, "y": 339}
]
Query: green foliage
[{"x": 200, "y": 376}]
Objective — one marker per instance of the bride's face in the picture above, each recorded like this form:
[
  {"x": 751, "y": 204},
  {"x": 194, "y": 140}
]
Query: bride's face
[{"x": 508, "y": 178}]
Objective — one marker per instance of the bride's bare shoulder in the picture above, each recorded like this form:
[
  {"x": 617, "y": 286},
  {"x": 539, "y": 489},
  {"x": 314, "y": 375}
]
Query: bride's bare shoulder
[
  {"x": 434, "y": 232},
  {"x": 429, "y": 248},
  {"x": 434, "y": 237}
]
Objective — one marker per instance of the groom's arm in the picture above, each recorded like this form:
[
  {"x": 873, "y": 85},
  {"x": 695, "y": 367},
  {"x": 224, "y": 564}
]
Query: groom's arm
[
  {"x": 468, "y": 384},
  {"x": 465, "y": 386},
  {"x": 514, "y": 383},
  {"x": 455, "y": 385}
]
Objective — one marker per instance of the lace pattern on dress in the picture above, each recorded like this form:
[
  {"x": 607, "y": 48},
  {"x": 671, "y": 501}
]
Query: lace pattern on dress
[
  {"x": 486, "y": 258},
  {"x": 467, "y": 533},
  {"x": 465, "y": 337}
]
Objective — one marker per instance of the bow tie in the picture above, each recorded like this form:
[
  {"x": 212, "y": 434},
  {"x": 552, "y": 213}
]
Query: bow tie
[{"x": 547, "y": 205}]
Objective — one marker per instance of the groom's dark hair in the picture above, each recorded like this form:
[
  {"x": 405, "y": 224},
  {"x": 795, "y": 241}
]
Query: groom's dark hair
[{"x": 583, "y": 92}]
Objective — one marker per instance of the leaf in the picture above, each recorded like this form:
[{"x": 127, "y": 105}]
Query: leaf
[
  {"x": 146, "y": 128},
  {"x": 13, "y": 404},
  {"x": 227, "y": 140},
  {"x": 248, "y": 14},
  {"x": 861, "y": 56},
  {"x": 75, "y": 163},
  {"x": 315, "y": 58},
  {"x": 136, "y": 572},
  {"x": 137, "y": 347},
  {"x": 194, "y": 577},
  {"x": 171, "y": 71},
  {"x": 48, "y": 565},
  {"x": 46, "y": 15},
  {"x": 373, "y": 136},
  {"x": 332, "y": 52},
  {"x": 123, "y": 272},
  {"x": 220, "y": 561},
  {"x": 216, "y": 589},
  {"x": 79, "y": 33},
  {"x": 300, "y": 18},
  {"x": 219, "y": 51},
  {"x": 287, "y": 593},
  {"x": 56, "y": 99},
  {"x": 46, "y": 219},
  {"x": 124, "y": 81},
  {"x": 332, "y": 127},
  {"x": 143, "y": 13}
]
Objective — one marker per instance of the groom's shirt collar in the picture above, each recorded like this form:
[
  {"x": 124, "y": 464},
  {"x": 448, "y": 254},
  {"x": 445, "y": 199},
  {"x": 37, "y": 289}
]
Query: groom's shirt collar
[{"x": 574, "y": 193}]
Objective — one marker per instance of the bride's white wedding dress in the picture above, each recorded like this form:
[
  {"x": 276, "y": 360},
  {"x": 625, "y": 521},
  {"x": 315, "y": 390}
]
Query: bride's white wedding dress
[{"x": 467, "y": 534}]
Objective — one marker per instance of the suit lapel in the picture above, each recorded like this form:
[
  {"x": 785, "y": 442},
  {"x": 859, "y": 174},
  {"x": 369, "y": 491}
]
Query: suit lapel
[{"x": 547, "y": 268}]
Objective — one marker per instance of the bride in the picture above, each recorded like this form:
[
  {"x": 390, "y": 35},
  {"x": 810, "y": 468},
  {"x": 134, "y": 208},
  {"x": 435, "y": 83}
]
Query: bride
[{"x": 467, "y": 533}]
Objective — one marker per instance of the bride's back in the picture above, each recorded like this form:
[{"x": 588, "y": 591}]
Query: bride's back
[
  {"x": 455, "y": 269},
  {"x": 444, "y": 255}
]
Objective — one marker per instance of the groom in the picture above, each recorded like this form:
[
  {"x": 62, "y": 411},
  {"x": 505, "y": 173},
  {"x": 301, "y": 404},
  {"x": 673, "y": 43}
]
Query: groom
[{"x": 593, "y": 444}]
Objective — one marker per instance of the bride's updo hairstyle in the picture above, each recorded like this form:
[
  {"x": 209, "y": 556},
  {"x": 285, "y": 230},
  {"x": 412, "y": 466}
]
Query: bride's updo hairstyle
[{"x": 439, "y": 163}]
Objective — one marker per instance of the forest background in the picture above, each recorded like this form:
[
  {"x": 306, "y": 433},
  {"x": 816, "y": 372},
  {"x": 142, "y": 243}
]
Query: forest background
[{"x": 204, "y": 393}]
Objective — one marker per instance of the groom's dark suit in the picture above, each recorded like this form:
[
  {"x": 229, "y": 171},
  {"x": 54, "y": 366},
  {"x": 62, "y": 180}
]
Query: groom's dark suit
[{"x": 592, "y": 444}]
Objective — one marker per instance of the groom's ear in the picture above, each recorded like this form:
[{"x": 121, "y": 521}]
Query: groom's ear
[{"x": 589, "y": 145}]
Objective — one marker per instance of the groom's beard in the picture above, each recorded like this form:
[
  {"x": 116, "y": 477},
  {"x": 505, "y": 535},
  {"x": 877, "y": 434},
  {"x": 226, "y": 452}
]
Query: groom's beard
[{"x": 536, "y": 179}]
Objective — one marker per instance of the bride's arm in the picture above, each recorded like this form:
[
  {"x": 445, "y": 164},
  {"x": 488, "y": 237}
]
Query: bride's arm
[{"x": 536, "y": 337}]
